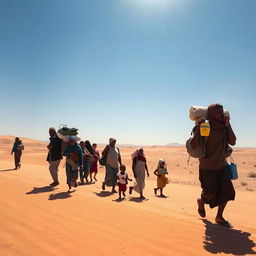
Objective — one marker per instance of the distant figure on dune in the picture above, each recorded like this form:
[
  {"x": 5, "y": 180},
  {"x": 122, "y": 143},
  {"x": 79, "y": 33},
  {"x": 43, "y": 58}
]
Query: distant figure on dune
[
  {"x": 54, "y": 155},
  {"x": 113, "y": 158},
  {"x": 139, "y": 167},
  {"x": 160, "y": 172},
  {"x": 74, "y": 160},
  {"x": 217, "y": 188},
  {"x": 94, "y": 165},
  {"x": 17, "y": 150}
]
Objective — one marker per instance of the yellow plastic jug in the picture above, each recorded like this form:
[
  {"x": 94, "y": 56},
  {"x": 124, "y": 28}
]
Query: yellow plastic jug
[{"x": 205, "y": 129}]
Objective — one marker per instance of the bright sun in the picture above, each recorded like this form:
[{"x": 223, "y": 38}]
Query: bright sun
[{"x": 154, "y": 4}]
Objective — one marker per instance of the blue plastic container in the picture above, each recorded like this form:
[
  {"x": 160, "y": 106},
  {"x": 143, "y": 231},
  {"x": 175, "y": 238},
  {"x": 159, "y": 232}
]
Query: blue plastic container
[{"x": 232, "y": 171}]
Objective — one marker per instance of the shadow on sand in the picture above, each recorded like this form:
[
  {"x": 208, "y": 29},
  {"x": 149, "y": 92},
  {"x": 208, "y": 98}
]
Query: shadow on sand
[
  {"x": 44, "y": 189},
  {"x": 219, "y": 239},
  {"x": 61, "y": 195},
  {"x": 86, "y": 183},
  {"x": 104, "y": 194},
  {"x": 137, "y": 199},
  {"x": 8, "y": 170},
  {"x": 119, "y": 200}
]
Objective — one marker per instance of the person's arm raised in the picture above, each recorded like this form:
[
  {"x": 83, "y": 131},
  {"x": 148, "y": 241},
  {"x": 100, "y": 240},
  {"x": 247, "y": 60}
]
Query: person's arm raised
[{"x": 231, "y": 135}]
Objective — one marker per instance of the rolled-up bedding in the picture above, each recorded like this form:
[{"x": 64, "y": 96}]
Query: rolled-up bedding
[
  {"x": 68, "y": 131},
  {"x": 66, "y": 138},
  {"x": 198, "y": 113}
]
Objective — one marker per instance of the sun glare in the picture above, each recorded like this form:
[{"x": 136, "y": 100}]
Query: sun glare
[{"x": 154, "y": 4}]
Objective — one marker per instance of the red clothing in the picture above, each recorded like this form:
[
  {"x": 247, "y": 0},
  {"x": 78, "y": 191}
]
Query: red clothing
[
  {"x": 122, "y": 187},
  {"x": 94, "y": 166}
]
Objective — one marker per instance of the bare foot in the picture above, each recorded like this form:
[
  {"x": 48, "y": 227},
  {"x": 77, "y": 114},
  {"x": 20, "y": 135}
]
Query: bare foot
[
  {"x": 201, "y": 209},
  {"x": 221, "y": 221}
]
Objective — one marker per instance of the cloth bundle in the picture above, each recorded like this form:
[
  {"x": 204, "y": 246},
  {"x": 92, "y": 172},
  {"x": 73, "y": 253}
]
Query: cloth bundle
[
  {"x": 65, "y": 133},
  {"x": 198, "y": 113}
]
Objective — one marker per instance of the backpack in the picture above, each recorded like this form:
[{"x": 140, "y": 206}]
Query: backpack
[
  {"x": 20, "y": 147},
  {"x": 103, "y": 159},
  {"x": 197, "y": 152},
  {"x": 200, "y": 150}
]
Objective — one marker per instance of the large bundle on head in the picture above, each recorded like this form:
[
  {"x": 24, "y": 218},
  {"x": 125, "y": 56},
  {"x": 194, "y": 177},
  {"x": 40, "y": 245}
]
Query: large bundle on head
[
  {"x": 198, "y": 113},
  {"x": 64, "y": 133}
]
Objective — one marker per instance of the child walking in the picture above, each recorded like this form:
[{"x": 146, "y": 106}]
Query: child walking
[
  {"x": 160, "y": 172},
  {"x": 122, "y": 181}
]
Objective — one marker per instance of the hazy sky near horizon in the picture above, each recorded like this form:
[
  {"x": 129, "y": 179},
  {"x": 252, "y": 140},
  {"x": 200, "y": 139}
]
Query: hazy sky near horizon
[{"x": 128, "y": 69}]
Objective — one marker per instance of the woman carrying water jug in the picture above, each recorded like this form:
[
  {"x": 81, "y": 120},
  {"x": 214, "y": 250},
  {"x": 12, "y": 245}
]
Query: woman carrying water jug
[{"x": 217, "y": 188}]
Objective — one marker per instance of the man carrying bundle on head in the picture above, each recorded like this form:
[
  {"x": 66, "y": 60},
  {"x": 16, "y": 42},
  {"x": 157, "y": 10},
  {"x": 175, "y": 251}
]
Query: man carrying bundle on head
[{"x": 217, "y": 188}]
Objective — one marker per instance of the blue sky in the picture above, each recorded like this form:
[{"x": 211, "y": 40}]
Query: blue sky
[{"x": 126, "y": 68}]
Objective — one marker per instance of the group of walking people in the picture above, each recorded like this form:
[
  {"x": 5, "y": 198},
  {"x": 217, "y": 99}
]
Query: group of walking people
[{"x": 83, "y": 159}]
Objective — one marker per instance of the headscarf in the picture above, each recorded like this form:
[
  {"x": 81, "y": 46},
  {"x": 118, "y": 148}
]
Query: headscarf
[
  {"x": 88, "y": 146},
  {"x": 111, "y": 140},
  {"x": 135, "y": 155},
  {"x": 214, "y": 122},
  {"x": 160, "y": 162}
]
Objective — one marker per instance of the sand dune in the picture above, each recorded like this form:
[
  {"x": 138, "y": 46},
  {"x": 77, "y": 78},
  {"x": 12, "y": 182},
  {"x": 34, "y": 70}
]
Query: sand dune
[{"x": 38, "y": 220}]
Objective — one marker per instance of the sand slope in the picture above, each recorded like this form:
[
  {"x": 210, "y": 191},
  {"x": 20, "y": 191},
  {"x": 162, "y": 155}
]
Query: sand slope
[{"x": 37, "y": 220}]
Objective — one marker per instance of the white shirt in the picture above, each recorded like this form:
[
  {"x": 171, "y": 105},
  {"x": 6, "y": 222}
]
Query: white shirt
[{"x": 122, "y": 177}]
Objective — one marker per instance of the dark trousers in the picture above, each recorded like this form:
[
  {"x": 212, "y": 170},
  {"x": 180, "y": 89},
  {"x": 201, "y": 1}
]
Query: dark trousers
[
  {"x": 84, "y": 172},
  {"x": 17, "y": 157},
  {"x": 72, "y": 175}
]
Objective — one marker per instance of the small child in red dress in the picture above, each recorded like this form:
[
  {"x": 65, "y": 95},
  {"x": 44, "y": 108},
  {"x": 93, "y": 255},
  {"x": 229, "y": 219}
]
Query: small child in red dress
[{"x": 122, "y": 181}]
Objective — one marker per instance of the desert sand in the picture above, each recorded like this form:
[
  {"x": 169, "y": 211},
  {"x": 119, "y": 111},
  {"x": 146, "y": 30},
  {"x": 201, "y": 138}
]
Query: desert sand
[{"x": 39, "y": 220}]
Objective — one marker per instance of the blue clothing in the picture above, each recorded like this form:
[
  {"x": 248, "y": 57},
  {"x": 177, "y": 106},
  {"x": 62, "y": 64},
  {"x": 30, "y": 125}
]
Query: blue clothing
[
  {"x": 15, "y": 145},
  {"x": 84, "y": 172},
  {"x": 76, "y": 149}
]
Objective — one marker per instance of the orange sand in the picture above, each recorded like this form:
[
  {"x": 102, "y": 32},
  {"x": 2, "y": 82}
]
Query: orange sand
[{"x": 38, "y": 220}]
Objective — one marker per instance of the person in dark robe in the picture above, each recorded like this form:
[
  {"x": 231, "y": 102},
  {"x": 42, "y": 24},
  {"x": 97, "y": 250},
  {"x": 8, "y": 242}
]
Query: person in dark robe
[{"x": 217, "y": 188}]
